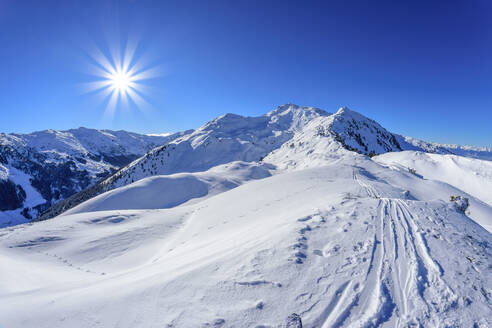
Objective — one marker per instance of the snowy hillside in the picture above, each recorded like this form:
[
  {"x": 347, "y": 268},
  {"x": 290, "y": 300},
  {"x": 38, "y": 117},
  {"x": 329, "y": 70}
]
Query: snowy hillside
[
  {"x": 166, "y": 191},
  {"x": 350, "y": 243},
  {"x": 41, "y": 168},
  {"x": 471, "y": 175}
]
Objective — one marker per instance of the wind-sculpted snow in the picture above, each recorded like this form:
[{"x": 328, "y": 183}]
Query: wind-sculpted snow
[
  {"x": 348, "y": 244},
  {"x": 166, "y": 191}
]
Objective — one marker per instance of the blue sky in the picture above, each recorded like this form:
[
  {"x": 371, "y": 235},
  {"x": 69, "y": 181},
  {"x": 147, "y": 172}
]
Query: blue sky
[{"x": 420, "y": 68}]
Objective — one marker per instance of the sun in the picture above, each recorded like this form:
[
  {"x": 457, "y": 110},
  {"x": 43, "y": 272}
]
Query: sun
[{"x": 121, "y": 80}]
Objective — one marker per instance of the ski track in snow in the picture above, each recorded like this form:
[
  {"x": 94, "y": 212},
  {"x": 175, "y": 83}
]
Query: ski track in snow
[
  {"x": 402, "y": 276},
  {"x": 402, "y": 282}
]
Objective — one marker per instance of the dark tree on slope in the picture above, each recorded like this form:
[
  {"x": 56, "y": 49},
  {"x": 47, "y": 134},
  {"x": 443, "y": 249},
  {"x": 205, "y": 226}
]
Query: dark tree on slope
[{"x": 11, "y": 196}]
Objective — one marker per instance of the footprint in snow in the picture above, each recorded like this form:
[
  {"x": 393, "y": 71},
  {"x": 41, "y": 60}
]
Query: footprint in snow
[
  {"x": 319, "y": 219},
  {"x": 299, "y": 245},
  {"x": 330, "y": 250},
  {"x": 293, "y": 321},
  {"x": 306, "y": 218},
  {"x": 219, "y": 322},
  {"x": 305, "y": 229}
]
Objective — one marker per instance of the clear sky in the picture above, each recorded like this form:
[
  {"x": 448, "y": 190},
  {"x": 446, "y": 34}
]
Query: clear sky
[{"x": 420, "y": 68}]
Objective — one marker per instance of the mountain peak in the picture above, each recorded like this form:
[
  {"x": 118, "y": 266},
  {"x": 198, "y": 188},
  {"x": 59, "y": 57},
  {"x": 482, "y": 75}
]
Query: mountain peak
[
  {"x": 349, "y": 113},
  {"x": 342, "y": 110},
  {"x": 291, "y": 108},
  {"x": 358, "y": 133}
]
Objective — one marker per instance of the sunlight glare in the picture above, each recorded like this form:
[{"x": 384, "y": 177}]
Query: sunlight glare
[
  {"x": 120, "y": 78},
  {"x": 121, "y": 81}
]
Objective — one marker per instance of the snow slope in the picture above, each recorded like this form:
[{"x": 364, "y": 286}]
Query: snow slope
[
  {"x": 471, "y": 175},
  {"x": 166, "y": 191},
  {"x": 348, "y": 244}
]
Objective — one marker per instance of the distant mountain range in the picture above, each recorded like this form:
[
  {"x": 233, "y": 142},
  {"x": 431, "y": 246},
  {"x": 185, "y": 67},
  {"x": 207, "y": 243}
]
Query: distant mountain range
[{"x": 39, "y": 169}]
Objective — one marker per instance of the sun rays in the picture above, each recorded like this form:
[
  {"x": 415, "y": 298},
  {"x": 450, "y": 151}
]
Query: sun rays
[{"x": 119, "y": 78}]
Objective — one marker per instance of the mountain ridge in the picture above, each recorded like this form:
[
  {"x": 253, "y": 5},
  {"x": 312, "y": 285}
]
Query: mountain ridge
[{"x": 310, "y": 134}]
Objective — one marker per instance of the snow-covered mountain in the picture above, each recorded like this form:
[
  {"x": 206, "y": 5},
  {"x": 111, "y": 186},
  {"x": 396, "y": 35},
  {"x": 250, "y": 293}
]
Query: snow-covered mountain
[
  {"x": 297, "y": 218},
  {"x": 41, "y": 168},
  {"x": 233, "y": 137},
  {"x": 435, "y": 148},
  {"x": 225, "y": 139},
  {"x": 288, "y": 136}
]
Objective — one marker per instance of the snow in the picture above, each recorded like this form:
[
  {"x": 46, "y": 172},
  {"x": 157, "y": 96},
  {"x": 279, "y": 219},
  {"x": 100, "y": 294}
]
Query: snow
[
  {"x": 33, "y": 197},
  {"x": 166, "y": 134},
  {"x": 12, "y": 218},
  {"x": 225, "y": 139},
  {"x": 341, "y": 244},
  {"x": 265, "y": 222},
  {"x": 4, "y": 172},
  {"x": 166, "y": 191},
  {"x": 88, "y": 152},
  {"x": 484, "y": 153},
  {"x": 81, "y": 142},
  {"x": 473, "y": 176}
]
